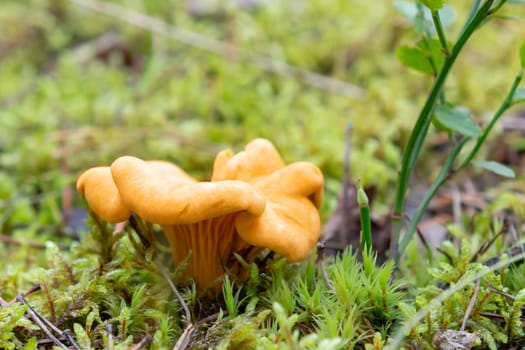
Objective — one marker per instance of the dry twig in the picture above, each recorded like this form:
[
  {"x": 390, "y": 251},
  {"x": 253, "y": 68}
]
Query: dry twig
[
  {"x": 471, "y": 304},
  {"x": 109, "y": 331},
  {"x": 486, "y": 245},
  {"x": 185, "y": 338},
  {"x": 143, "y": 343},
  {"x": 500, "y": 292},
  {"x": 322, "y": 266},
  {"x": 8, "y": 239},
  {"x": 176, "y": 292},
  {"x": 46, "y": 326}
]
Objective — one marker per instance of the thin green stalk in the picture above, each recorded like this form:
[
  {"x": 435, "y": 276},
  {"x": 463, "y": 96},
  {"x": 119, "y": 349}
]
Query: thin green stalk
[
  {"x": 506, "y": 104},
  {"x": 366, "y": 226},
  {"x": 420, "y": 129},
  {"x": 442, "y": 177},
  {"x": 472, "y": 13},
  {"x": 427, "y": 34},
  {"x": 430, "y": 60},
  {"x": 440, "y": 32},
  {"x": 498, "y": 6}
]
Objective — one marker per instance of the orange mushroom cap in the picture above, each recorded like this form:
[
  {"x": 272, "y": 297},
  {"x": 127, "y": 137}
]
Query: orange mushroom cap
[
  {"x": 290, "y": 224},
  {"x": 102, "y": 196},
  {"x": 253, "y": 200},
  {"x": 157, "y": 197},
  {"x": 259, "y": 158}
]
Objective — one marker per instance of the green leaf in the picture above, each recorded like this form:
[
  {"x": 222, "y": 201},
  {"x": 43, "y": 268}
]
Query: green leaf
[
  {"x": 432, "y": 48},
  {"x": 522, "y": 55},
  {"x": 32, "y": 344},
  {"x": 82, "y": 337},
  {"x": 422, "y": 56},
  {"x": 520, "y": 297},
  {"x": 495, "y": 167},
  {"x": 414, "y": 58},
  {"x": 516, "y": 1},
  {"x": 433, "y": 4},
  {"x": 519, "y": 96},
  {"x": 457, "y": 119}
]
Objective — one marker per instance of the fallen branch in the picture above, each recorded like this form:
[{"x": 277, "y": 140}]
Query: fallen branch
[
  {"x": 143, "y": 343},
  {"x": 177, "y": 294},
  {"x": 44, "y": 324},
  {"x": 471, "y": 304}
]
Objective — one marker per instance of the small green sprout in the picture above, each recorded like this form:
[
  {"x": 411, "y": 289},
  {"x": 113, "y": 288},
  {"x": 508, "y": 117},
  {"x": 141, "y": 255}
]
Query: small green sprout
[{"x": 366, "y": 227}]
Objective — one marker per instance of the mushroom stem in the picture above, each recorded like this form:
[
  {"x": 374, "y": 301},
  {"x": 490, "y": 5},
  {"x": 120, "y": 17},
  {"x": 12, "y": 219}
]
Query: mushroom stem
[{"x": 212, "y": 243}]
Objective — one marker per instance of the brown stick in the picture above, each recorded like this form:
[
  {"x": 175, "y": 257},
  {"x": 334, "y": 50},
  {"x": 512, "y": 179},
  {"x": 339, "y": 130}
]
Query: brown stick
[
  {"x": 185, "y": 338},
  {"x": 4, "y": 238},
  {"x": 500, "y": 292},
  {"x": 143, "y": 343},
  {"x": 176, "y": 292},
  {"x": 471, "y": 304},
  {"x": 35, "y": 317}
]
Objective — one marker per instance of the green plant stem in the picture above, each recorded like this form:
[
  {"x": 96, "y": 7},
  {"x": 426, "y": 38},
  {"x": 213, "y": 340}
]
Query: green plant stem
[
  {"x": 443, "y": 176},
  {"x": 366, "y": 226},
  {"x": 472, "y": 13},
  {"x": 447, "y": 170},
  {"x": 420, "y": 129},
  {"x": 498, "y": 6},
  {"x": 440, "y": 32},
  {"x": 430, "y": 59},
  {"x": 506, "y": 104}
]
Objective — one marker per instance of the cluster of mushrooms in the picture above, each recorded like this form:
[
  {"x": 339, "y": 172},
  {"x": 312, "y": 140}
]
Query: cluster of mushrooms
[{"x": 253, "y": 201}]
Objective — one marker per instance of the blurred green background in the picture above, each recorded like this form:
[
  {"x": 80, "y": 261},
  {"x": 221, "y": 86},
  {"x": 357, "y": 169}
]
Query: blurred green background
[{"x": 80, "y": 87}]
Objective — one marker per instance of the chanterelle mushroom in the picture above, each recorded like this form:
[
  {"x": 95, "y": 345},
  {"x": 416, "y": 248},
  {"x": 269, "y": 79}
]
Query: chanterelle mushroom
[{"x": 253, "y": 201}]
